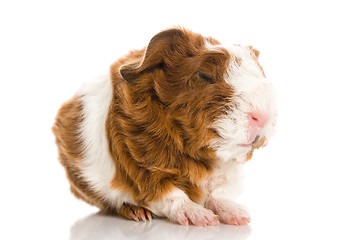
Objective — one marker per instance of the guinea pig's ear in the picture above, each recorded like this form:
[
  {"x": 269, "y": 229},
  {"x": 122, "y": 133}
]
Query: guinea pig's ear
[
  {"x": 160, "y": 46},
  {"x": 255, "y": 51}
]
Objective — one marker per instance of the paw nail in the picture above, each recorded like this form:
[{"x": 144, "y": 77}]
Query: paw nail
[
  {"x": 246, "y": 220},
  {"x": 149, "y": 215},
  {"x": 135, "y": 218}
]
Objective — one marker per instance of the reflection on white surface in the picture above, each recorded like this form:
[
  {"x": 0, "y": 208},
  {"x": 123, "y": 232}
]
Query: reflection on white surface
[{"x": 98, "y": 226}]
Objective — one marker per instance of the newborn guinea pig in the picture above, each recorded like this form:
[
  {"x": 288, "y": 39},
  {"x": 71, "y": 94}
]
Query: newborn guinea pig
[{"x": 168, "y": 130}]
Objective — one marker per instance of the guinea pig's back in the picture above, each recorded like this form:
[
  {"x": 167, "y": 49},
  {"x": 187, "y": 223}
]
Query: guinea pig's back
[
  {"x": 80, "y": 134},
  {"x": 69, "y": 143}
]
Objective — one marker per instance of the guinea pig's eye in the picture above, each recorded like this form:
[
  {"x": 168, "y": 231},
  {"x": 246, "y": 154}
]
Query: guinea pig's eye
[{"x": 206, "y": 78}]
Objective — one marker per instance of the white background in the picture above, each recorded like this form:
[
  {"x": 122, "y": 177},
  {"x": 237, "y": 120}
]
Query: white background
[{"x": 304, "y": 185}]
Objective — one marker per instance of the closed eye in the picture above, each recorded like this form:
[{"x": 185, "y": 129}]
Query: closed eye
[{"x": 205, "y": 77}]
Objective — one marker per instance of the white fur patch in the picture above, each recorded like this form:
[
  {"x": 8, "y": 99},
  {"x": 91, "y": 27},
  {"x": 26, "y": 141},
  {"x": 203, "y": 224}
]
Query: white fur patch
[
  {"x": 225, "y": 182},
  {"x": 98, "y": 167},
  {"x": 167, "y": 204},
  {"x": 252, "y": 92}
]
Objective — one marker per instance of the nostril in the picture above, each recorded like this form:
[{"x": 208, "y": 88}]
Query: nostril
[{"x": 254, "y": 118}]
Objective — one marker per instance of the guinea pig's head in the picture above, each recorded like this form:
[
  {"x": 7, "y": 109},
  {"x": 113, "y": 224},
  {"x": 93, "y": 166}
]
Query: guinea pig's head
[{"x": 212, "y": 96}]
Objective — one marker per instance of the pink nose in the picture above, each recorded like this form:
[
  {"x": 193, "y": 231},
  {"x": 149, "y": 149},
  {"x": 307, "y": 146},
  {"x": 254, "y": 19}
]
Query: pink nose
[{"x": 256, "y": 121}]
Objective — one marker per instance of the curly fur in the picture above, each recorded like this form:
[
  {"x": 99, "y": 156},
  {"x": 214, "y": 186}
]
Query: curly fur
[{"x": 152, "y": 132}]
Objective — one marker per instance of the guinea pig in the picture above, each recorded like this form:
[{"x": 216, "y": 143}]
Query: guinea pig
[{"x": 168, "y": 130}]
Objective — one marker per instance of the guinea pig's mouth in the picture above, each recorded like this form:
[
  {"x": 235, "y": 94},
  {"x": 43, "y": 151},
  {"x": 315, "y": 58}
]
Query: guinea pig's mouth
[
  {"x": 246, "y": 145},
  {"x": 256, "y": 139}
]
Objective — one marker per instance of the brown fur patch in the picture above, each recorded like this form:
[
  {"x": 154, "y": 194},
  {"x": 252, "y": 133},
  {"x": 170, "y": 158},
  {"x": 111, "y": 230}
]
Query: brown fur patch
[{"x": 159, "y": 118}]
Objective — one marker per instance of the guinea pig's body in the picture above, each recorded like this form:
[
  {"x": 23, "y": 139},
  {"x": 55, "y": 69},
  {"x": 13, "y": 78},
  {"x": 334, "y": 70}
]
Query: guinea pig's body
[{"x": 168, "y": 130}]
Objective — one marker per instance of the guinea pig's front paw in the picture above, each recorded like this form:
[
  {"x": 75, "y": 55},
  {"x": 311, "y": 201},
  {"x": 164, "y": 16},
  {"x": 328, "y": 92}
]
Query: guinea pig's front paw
[
  {"x": 229, "y": 212},
  {"x": 192, "y": 213},
  {"x": 135, "y": 213}
]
